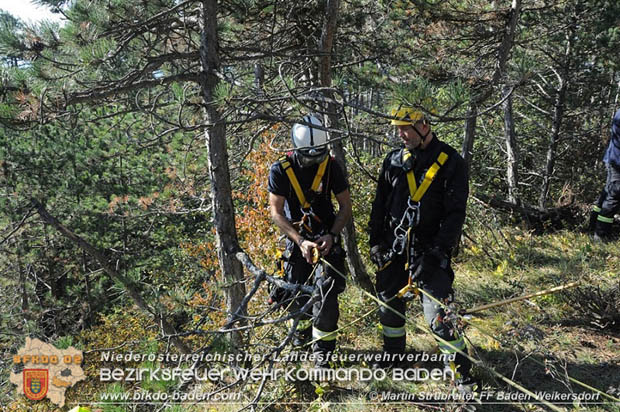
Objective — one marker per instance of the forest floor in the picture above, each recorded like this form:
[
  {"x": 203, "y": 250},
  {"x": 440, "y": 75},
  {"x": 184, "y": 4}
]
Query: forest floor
[{"x": 550, "y": 344}]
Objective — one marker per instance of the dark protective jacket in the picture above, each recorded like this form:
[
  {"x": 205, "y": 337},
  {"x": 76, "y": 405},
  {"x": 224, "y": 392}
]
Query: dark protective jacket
[
  {"x": 612, "y": 155},
  {"x": 333, "y": 181},
  {"x": 442, "y": 208}
]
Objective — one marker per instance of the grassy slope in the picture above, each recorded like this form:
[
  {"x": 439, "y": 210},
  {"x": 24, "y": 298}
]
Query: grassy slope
[
  {"x": 500, "y": 264},
  {"x": 494, "y": 264}
]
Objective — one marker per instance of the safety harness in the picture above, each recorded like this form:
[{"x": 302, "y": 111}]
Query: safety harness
[
  {"x": 415, "y": 192},
  {"x": 404, "y": 239},
  {"x": 308, "y": 230},
  {"x": 404, "y": 236},
  {"x": 304, "y": 226},
  {"x": 403, "y": 233}
]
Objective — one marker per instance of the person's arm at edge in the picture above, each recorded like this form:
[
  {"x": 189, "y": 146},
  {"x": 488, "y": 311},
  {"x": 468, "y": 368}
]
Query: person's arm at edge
[
  {"x": 344, "y": 215},
  {"x": 276, "y": 207}
]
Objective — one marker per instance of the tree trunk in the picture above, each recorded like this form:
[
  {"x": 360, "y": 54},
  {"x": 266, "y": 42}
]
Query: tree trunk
[
  {"x": 22, "y": 281},
  {"x": 558, "y": 115},
  {"x": 470, "y": 133},
  {"x": 221, "y": 192},
  {"x": 512, "y": 161},
  {"x": 502, "y": 58},
  {"x": 354, "y": 260}
]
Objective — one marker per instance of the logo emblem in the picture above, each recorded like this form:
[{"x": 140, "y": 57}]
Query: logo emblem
[{"x": 35, "y": 383}]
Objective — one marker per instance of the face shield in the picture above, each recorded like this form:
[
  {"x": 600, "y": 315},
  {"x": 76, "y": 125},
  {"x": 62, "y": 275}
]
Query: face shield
[{"x": 310, "y": 156}]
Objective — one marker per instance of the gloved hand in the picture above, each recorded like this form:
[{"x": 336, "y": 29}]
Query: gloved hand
[
  {"x": 380, "y": 255},
  {"x": 408, "y": 296},
  {"x": 432, "y": 260}
]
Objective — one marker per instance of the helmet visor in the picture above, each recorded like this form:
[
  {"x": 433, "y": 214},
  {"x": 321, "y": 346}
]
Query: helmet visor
[{"x": 311, "y": 156}]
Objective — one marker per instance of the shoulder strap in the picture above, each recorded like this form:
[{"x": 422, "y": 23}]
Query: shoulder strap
[
  {"x": 415, "y": 192},
  {"x": 413, "y": 187},
  {"x": 319, "y": 175},
  {"x": 286, "y": 165}
]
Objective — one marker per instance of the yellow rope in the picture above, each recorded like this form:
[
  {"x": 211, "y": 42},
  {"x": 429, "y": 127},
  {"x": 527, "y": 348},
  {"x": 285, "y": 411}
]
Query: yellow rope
[
  {"x": 490, "y": 335},
  {"x": 475, "y": 361},
  {"x": 449, "y": 344}
]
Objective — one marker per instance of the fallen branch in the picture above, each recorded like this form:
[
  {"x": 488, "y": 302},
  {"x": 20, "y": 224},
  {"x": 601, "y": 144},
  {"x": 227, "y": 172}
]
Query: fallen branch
[
  {"x": 131, "y": 288},
  {"x": 539, "y": 219}
]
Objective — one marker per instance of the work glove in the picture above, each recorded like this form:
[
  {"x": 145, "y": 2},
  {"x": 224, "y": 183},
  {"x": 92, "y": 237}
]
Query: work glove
[
  {"x": 380, "y": 256},
  {"x": 278, "y": 295},
  {"x": 431, "y": 261}
]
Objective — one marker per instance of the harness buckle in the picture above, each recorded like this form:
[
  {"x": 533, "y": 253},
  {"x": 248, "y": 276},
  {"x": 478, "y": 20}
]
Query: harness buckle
[
  {"x": 310, "y": 226},
  {"x": 409, "y": 220}
]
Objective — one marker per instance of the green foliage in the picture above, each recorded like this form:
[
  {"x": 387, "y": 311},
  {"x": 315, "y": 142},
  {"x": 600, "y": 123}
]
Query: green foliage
[
  {"x": 417, "y": 92},
  {"x": 64, "y": 342},
  {"x": 123, "y": 164},
  {"x": 111, "y": 398}
]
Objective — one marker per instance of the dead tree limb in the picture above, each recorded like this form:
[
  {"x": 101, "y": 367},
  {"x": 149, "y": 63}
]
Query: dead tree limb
[{"x": 130, "y": 287}]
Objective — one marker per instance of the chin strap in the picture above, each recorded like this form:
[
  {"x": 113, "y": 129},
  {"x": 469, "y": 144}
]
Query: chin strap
[{"x": 423, "y": 140}]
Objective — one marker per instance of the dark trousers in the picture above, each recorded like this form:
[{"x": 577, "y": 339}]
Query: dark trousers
[
  {"x": 325, "y": 312},
  {"x": 608, "y": 203},
  {"x": 439, "y": 285}
]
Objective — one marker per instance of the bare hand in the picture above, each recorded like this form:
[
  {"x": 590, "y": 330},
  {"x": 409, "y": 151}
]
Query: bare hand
[
  {"x": 306, "y": 247},
  {"x": 325, "y": 243}
]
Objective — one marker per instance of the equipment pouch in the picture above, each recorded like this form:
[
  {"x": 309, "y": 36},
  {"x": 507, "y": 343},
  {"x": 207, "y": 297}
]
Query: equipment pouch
[{"x": 278, "y": 294}]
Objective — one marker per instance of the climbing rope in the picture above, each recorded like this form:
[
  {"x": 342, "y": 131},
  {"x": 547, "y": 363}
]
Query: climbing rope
[
  {"x": 490, "y": 335},
  {"x": 475, "y": 361}
]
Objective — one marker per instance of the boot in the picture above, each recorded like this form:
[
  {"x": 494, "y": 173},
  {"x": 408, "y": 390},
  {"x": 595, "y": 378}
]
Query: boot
[
  {"x": 322, "y": 349},
  {"x": 302, "y": 337},
  {"x": 593, "y": 217},
  {"x": 603, "y": 229},
  {"x": 461, "y": 367},
  {"x": 321, "y": 360},
  {"x": 392, "y": 347}
]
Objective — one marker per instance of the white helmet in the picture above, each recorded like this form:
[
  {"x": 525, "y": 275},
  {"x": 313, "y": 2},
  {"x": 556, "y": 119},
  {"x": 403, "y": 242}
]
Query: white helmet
[{"x": 307, "y": 138}]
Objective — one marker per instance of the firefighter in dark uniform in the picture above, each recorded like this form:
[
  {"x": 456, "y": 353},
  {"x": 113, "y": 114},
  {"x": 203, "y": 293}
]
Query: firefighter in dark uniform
[
  {"x": 608, "y": 204},
  {"x": 300, "y": 189},
  {"x": 415, "y": 223}
]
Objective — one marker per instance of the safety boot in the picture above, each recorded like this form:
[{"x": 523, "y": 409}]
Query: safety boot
[
  {"x": 392, "y": 348},
  {"x": 302, "y": 337},
  {"x": 388, "y": 360},
  {"x": 321, "y": 360},
  {"x": 603, "y": 229},
  {"x": 461, "y": 369},
  {"x": 593, "y": 217}
]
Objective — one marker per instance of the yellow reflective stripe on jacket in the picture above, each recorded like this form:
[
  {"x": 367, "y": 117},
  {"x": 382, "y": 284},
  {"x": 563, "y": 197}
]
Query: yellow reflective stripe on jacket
[
  {"x": 286, "y": 165},
  {"x": 392, "y": 332},
  {"x": 604, "y": 219},
  {"x": 456, "y": 344},
  {"x": 415, "y": 192},
  {"x": 322, "y": 335},
  {"x": 595, "y": 208}
]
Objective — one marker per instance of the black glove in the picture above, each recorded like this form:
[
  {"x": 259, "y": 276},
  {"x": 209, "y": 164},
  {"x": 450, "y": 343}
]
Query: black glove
[
  {"x": 380, "y": 256},
  {"x": 277, "y": 294},
  {"x": 431, "y": 261}
]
